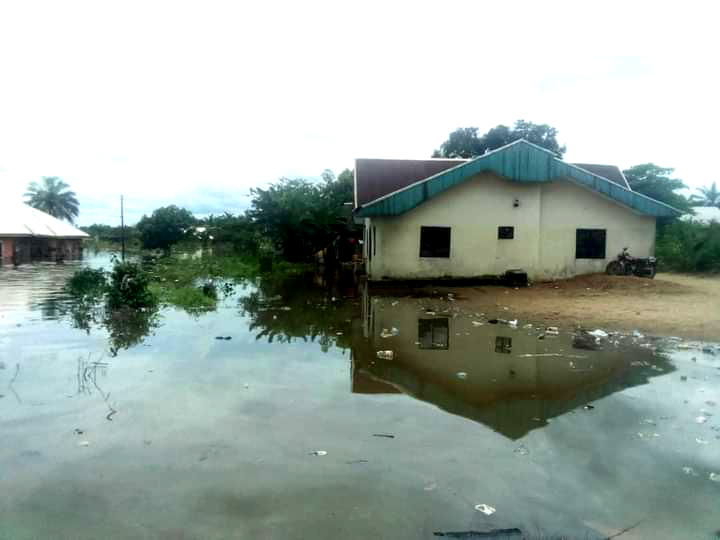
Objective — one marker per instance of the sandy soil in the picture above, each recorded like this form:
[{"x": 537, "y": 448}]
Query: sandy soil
[{"x": 670, "y": 305}]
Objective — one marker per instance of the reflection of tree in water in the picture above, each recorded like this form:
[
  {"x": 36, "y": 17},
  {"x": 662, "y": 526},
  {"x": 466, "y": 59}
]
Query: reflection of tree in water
[
  {"x": 307, "y": 307},
  {"x": 126, "y": 327}
]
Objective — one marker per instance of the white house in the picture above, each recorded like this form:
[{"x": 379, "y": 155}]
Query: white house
[{"x": 517, "y": 207}]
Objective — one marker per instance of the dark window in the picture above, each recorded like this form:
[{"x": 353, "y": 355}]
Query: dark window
[
  {"x": 590, "y": 244},
  {"x": 435, "y": 241},
  {"x": 506, "y": 233},
  {"x": 503, "y": 344},
  {"x": 433, "y": 333}
]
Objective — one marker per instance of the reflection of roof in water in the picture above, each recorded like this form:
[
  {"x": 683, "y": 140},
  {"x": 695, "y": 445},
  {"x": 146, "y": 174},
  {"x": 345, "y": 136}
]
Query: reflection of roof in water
[{"x": 509, "y": 406}]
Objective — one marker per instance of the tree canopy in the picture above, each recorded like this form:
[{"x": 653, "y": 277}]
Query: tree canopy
[
  {"x": 52, "y": 196},
  {"x": 165, "y": 227},
  {"x": 655, "y": 181},
  {"x": 709, "y": 196},
  {"x": 465, "y": 142}
]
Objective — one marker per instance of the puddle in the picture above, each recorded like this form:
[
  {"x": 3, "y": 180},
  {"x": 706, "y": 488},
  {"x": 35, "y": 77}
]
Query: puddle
[{"x": 297, "y": 428}]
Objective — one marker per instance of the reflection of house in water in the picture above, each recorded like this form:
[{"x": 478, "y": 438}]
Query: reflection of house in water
[{"x": 504, "y": 388}]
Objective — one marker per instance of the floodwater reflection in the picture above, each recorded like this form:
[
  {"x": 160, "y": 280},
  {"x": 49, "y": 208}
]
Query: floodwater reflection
[{"x": 504, "y": 377}]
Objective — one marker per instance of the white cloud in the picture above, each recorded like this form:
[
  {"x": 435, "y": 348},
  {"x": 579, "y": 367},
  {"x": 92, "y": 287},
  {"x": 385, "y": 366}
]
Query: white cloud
[{"x": 169, "y": 101}]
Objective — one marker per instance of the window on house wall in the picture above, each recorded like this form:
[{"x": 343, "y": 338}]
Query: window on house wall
[
  {"x": 434, "y": 333},
  {"x": 506, "y": 233},
  {"x": 590, "y": 243},
  {"x": 435, "y": 242}
]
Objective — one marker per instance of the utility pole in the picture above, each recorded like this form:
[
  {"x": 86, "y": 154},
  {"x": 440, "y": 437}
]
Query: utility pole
[{"x": 122, "y": 226}]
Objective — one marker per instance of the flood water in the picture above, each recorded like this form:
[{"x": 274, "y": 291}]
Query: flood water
[{"x": 295, "y": 429}]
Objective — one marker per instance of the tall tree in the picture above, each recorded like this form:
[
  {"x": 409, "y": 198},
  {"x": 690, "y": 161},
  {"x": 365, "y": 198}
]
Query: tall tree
[
  {"x": 165, "y": 227},
  {"x": 654, "y": 181},
  {"x": 465, "y": 142},
  {"x": 709, "y": 196},
  {"x": 51, "y": 195}
]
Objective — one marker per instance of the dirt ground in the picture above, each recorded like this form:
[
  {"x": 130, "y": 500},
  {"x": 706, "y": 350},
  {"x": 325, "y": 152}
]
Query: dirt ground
[{"x": 670, "y": 305}]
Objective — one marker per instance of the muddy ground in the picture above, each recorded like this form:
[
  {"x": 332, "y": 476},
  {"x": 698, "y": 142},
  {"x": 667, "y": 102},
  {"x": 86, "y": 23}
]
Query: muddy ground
[{"x": 670, "y": 305}]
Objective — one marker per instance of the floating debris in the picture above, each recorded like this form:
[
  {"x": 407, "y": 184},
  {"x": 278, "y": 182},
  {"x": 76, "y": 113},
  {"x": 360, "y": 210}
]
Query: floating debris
[
  {"x": 689, "y": 471},
  {"x": 84, "y": 443},
  {"x": 588, "y": 407},
  {"x": 700, "y": 440},
  {"x": 552, "y": 331},
  {"x": 701, "y": 419},
  {"x": 318, "y": 453},
  {"x": 385, "y": 355},
  {"x": 715, "y": 477},
  {"x": 521, "y": 450},
  {"x": 354, "y": 461},
  {"x": 461, "y": 375},
  {"x": 477, "y": 323},
  {"x": 430, "y": 487},
  {"x": 599, "y": 333},
  {"x": 386, "y": 435},
  {"x": 494, "y": 533},
  {"x": 485, "y": 509}
]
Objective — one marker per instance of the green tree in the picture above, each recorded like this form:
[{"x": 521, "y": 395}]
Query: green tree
[
  {"x": 465, "y": 142},
  {"x": 52, "y": 196},
  {"x": 165, "y": 227},
  {"x": 709, "y": 196},
  {"x": 299, "y": 217},
  {"x": 655, "y": 182}
]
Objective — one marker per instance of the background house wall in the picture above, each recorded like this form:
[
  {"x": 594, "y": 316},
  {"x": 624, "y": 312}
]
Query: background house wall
[{"x": 545, "y": 223}]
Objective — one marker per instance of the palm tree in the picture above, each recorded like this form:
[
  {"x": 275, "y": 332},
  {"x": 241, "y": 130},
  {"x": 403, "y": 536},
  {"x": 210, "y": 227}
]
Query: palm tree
[
  {"x": 708, "y": 196},
  {"x": 52, "y": 196}
]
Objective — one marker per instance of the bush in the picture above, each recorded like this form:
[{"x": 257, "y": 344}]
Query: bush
[
  {"x": 129, "y": 287},
  {"x": 165, "y": 227},
  {"x": 689, "y": 247},
  {"x": 87, "y": 282}
]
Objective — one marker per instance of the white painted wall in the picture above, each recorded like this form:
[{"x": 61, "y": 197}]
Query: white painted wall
[{"x": 545, "y": 224}]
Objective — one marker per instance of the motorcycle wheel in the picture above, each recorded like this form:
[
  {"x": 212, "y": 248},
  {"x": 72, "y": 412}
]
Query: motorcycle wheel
[
  {"x": 651, "y": 273},
  {"x": 614, "y": 268}
]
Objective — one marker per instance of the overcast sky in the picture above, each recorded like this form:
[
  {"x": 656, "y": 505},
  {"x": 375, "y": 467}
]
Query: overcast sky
[{"x": 193, "y": 103}]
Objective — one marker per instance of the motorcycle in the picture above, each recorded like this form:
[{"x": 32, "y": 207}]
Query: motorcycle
[{"x": 626, "y": 265}]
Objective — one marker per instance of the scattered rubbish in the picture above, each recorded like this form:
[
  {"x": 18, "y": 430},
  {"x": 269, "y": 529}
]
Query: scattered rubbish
[
  {"x": 385, "y": 355},
  {"x": 528, "y": 325},
  {"x": 354, "y": 461},
  {"x": 650, "y": 421},
  {"x": 477, "y": 323},
  {"x": 588, "y": 407},
  {"x": 701, "y": 419},
  {"x": 522, "y": 450},
  {"x": 708, "y": 350},
  {"x": 715, "y": 477},
  {"x": 470, "y": 535},
  {"x": 700, "y": 440},
  {"x": 389, "y": 333},
  {"x": 513, "y": 323},
  {"x": 485, "y": 509},
  {"x": 552, "y": 331},
  {"x": 430, "y": 313},
  {"x": 338, "y": 333},
  {"x": 647, "y": 435},
  {"x": 78, "y": 431},
  {"x": 461, "y": 375},
  {"x": 599, "y": 333},
  {"x": 395, "y": 303},
  {"x": 318, "y": 453},
  {"x": 637, "y": 334},
  {"x": 386, "y": 435},
  {"x": 226, "y": 338},
  {"x": 689, "y": 471},
  {"x": 84, "y": 443}
]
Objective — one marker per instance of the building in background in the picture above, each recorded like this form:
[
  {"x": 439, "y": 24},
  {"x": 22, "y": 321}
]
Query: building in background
[{"x": 27, "y": 234}]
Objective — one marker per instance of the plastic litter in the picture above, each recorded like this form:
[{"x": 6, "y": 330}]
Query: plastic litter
[
  {"x": 84, "y": 443},
  {"x": 477, "y": 323},
  {"x": 318, "y": 453},
  {"x": 599, "y": 333},
  {"x": 552, "y": 331},
  {"x": 395, "y": 303},
  {"x": 485, "y": 509},
  {"x": 700, "y": 440},
  {"x": 522, "y": 450},
  {"x": 461, "y": 375},
  {"x": 637, "y": 334},
  {"x": 701, "y": 419},
  {"x": 513, "y": 323},
  {"x": 715, "y": 477},
  {"x": 689, "y": 471},
  {"x": 389, "y": 333},
  {"x": 385, "y": 355}
]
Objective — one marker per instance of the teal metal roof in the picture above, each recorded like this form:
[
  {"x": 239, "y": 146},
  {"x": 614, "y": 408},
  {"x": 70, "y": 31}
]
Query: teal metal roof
[{"x": 519, "y": 161}]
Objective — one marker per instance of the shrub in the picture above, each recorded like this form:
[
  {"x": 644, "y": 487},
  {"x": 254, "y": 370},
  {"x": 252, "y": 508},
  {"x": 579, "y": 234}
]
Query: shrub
[
  {"x": 87, "y": 282},
  {"x": 129, "y": 287},
  {"x": 689, "y": 247}
]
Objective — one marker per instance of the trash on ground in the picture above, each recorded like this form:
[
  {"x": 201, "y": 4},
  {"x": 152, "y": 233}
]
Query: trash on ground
[
  {"x": 318, "y": 453},
  {"x": 226, "y": 338},
  {"x": 477, "y": 323},
  {"x": 637, "y": 334},
  {"x": 84, "y": 443},
  {"x": 386, "y": 435},
  {"x": 385, "y": 355},
  {"x": 389, "y": 333},
  {"x": 701, "y": 419},
  {"x": 522, "y": 450},
  {"x": 513, "y": 323},
  {"x": 78, "y": 431},
  {"x": 485, "y": 509},
  {"x": 552, "y": 331},
  {"x": 588, "y": 407},
  {"x": 461, "y": 375},
  {"x": 395, "y": 303},
  {"x": 689, "y": 471},
  {"x": 599, "y": 333}
]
